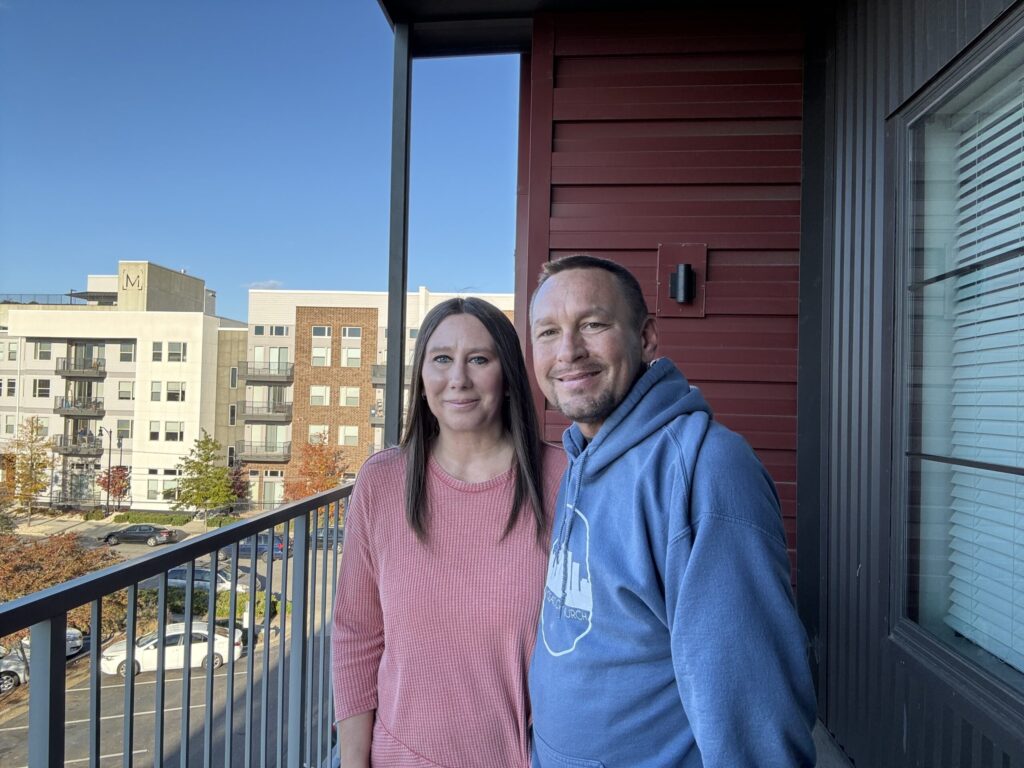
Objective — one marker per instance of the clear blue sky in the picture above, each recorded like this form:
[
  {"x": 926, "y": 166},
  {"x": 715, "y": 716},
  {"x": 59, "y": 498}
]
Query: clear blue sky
[{"x": 246, "y": 141}]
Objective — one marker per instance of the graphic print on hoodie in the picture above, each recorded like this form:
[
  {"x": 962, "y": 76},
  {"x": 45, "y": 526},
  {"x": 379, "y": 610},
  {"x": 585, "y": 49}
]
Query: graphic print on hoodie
[{"x": 568, "y": 598}]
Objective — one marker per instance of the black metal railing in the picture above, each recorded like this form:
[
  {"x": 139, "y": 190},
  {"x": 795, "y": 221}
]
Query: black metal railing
[
  {"x": 265, "y": 411},
  {"x": 81, "y": 366},
  {"x": 265, "y": 698},
  {"x": 266, "y": 371},
  {"x": 249, "y": 451},
  {"x": 78, "y": 406},
  {"x": 79, "y": 445}
]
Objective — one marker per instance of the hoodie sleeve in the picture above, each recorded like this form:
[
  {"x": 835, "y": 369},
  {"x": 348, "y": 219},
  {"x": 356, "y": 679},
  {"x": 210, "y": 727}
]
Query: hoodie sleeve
[
  {"x": 357, "y": 637},
  {"x": 738, "y": 647}
]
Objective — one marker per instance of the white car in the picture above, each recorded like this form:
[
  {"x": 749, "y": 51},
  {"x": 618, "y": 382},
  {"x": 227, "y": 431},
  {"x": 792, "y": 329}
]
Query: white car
[
  {"x": 74, "y": 642},
  {"x": 114, "y": 659},
  {"x": 13, "y": 671},
  {"x": 178, "y": 577}
]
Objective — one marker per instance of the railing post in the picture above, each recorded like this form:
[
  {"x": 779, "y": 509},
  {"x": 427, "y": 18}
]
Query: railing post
[
  {"x": 46, "y": 694},
  {"x": 298, "y": 646}
]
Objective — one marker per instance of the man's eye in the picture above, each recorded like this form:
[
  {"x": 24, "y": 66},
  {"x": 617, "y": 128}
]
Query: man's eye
[
  {"x": 594, "y": 325},
  {"x": 546, "y": 332}
]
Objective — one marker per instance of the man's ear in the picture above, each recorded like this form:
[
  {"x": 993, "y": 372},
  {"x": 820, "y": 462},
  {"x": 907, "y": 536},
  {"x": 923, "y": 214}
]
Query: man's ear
[{"x": 648, "y": 341}]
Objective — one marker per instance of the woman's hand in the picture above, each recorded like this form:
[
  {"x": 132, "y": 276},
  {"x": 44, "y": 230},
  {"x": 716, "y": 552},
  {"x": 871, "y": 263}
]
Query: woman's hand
[{"x": 354, "y": 737}]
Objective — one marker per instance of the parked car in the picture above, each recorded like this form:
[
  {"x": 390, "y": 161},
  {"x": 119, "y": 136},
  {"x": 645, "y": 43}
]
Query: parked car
[
  {"x": 13, "y": 671},
  {"x": 150, "y": 534},
  {"x": 264, "y": 545},
  {"x": 178, "y": 577},
  {"x": 332, "y": 535},
  {"x": 114, "y": 659},
  {"x": 74, "y": 642}
]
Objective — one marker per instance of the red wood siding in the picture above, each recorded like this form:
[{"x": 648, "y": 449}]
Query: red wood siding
[{"x": 679, "y": 128}]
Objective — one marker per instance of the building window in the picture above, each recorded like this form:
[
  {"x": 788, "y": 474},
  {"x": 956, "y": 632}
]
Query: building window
[
  {"x": 175, "y": 391},
  {"x": 258, "y": 330},
  {"x": 124, "y": 428},
  {"x": 12, "y": 387},
  {"x": 232, "y": 414},
  {"x": 348, "y": 435},
  {"x": 317, "y": 434},
  {"x": 44, "y": 425},
  {"x": 231, "y": 455},
  {"x": 233, "y": 378},
  {"x": 177, "y": 351},
  {"x": 9, "y": 424},
  {"x": 351, "y": 358},
  {"x": 126, "y": 390},
  {"x": 12, "y": 351},
  {"x": 170, "y": 489},
  {"x": 158, "y": 351},
  {"x": 40, "y": 387},
  {"x": 320, "y": 357},
  {"x": 128, "y": 352},
  {"x": 351, "y": 332},
  {"x": 43, "y": 350},
  {"x": 321, "y": 331},
  {"x": 414, "y": 332},
  {"x": 155, "y": 389},
  {"x": 154, "y": 431},
  {"x": 962, "y": 367},
  {"x": 349, "y": 396},
  {"x": 278, "y": 330},
  {"x": 152, "y": 490},
  {"x": 319, "y": 395},
  {"x": 174, "y": 431}
]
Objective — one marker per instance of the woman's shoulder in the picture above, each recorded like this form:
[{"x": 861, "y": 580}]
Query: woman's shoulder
[{"x": 390, "y": 461}]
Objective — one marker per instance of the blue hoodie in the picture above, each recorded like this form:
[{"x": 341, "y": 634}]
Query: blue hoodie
[{"x": 668, "y": 635}]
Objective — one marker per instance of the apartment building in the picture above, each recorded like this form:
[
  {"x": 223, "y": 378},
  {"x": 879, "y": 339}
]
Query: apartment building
[
  {"x": 127, "y": 372},
  {"x": 315, "y": 366}
]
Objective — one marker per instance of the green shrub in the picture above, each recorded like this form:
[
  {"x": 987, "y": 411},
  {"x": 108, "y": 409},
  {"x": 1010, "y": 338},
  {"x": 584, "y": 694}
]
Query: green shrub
[
  {"x": 242, "y": 601},
  {"x": 94, "y": 514},
  {"x": 219, "y": 521},
  {"x": 159, "y": 518}
]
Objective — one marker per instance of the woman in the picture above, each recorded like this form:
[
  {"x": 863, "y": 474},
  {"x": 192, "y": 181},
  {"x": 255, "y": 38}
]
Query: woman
[{"x": 445, "y": 555}]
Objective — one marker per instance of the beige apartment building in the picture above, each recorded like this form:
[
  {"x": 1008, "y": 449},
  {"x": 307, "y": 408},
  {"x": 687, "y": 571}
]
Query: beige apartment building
[
  {"x": 127, "y": 372},
  {"x": 315, "y": 366}
]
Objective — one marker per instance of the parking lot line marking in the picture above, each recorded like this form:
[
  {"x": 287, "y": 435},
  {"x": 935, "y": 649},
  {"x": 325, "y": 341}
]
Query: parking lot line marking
[
  {"x": 119, "y": 716},
  {"x": 102, "y": 757},
  {"x": 199, "y": 676}
]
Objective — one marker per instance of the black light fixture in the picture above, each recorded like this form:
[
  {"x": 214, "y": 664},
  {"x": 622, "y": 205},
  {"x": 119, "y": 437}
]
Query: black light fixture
[{"x": 682, "y": 284}]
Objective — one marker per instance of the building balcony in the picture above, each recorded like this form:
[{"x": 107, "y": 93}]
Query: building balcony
[
  {"x": 82, "y": 407},
  {"x": 82, "y": 368},
  {"x": 265, "y": 412},
  {"x": 376, "y": 417},
  {"x": 275, "y": 373},
  {"x": 378, "y": 374},
  {"x": 264, "y": 698},
  {"x": 263, "y": 452},
  {"x": 78, "y": 446},
  {"x": 69, "y": 500}
]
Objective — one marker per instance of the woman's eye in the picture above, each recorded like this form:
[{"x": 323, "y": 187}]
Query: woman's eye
[
  {"x": 479, "y": 360},
  {"x": 443, "y": 359}
]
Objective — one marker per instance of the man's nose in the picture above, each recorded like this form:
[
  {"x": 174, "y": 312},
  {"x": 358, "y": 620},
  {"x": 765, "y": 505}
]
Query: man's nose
[{"x": 570, "y": 347}]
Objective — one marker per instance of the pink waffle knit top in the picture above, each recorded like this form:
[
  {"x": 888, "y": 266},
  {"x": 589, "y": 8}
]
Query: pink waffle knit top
[{"x": 437, "y": 637}]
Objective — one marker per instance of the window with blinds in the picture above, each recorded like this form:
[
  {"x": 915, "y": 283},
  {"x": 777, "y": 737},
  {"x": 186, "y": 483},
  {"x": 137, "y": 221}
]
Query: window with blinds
[{"x": 965, "y": 368}]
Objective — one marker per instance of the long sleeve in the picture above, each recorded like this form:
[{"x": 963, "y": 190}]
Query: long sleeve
[
  {"x": 357, "y": 638},
  {"x": 738, "y": 647}
]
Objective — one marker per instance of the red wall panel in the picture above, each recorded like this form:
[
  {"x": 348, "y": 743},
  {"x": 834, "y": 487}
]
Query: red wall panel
[{"x": 644, "y": 129}]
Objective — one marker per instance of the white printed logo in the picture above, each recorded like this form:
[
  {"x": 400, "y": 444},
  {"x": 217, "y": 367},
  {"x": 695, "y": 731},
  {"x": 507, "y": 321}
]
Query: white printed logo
[{"x": 568, "y": 599}]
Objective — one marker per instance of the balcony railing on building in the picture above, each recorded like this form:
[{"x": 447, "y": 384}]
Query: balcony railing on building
[
  {"x": 377, "y": 417},
  {"x": 267, "y": 452},
  {"x": 260, "y": 696},
  {"x": 78, "y": 445},
  {"x": 85, "y": 407},
  {"x": 270, "y": 412},
  {"x": 82, "y": 367},
  {"x": 269, "y": 372},
  {"x": 73, "y": 500}
]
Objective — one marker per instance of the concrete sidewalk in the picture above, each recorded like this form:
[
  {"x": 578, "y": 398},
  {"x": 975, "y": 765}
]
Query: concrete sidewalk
[{"x": 89, "y": 530}]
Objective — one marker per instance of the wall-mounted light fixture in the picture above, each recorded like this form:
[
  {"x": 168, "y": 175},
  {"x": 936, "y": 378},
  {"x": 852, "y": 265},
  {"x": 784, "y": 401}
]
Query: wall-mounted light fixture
[{"x": 682, "y": 284}]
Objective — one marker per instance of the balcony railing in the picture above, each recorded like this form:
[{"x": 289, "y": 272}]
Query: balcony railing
[
  {"x": 274, "y": 452},
  {"x": 82, "y": 367},
  {"x": 78, "y": 445},
  {"x": 376, "y": 417},
  {"x": 71, "y": 500},
  {"x": 259, "y": 699},
  {"x": 274, "y": 412},
  {"x": 88, "y": 407},
  {"x": 273, "y": 372}
]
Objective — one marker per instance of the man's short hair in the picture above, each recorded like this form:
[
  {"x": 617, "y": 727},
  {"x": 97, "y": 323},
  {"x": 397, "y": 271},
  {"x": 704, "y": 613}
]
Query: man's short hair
[{"x": 628, "y": 284}]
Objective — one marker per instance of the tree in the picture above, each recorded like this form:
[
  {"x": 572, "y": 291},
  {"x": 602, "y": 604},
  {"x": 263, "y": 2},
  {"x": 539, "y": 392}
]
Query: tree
[
  {"x": 31, "y": 565},
  {"x": 117, "y": 482},
  {"x": 239, "y": 483},
  {"x": 319, "y": 468},
  {"x": 205, "y": 482},
  {"x": 33, "y": 461}
]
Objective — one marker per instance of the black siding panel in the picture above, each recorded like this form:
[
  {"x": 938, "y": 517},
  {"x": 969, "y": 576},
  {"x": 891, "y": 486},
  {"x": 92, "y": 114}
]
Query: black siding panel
[{"x": 884, "y": 706}]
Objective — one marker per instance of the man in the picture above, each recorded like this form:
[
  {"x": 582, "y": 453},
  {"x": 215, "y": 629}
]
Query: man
[{"x": 668, "y": 635}]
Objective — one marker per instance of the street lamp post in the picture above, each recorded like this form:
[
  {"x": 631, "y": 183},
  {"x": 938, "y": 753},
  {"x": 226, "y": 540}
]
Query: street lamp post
[
  {"x": 120, "y": 464},
  {"x": 110, "y": 455}
]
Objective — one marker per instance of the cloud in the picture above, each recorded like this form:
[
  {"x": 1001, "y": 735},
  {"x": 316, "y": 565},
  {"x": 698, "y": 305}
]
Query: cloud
[{"x": 265, "y": 285}]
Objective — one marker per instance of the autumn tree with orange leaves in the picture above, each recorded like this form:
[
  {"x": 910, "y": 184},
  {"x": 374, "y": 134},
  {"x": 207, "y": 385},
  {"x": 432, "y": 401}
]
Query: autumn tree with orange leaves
[
  {"x": 29, "y": 566},
  {"x": 319, "y": 468}
]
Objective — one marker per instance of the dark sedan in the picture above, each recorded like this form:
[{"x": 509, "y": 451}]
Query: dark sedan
[{"x": 149, "y": 534}]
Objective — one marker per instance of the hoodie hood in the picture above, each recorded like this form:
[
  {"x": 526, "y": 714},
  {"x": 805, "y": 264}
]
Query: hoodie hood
[{"x": 650, "y": 405}]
